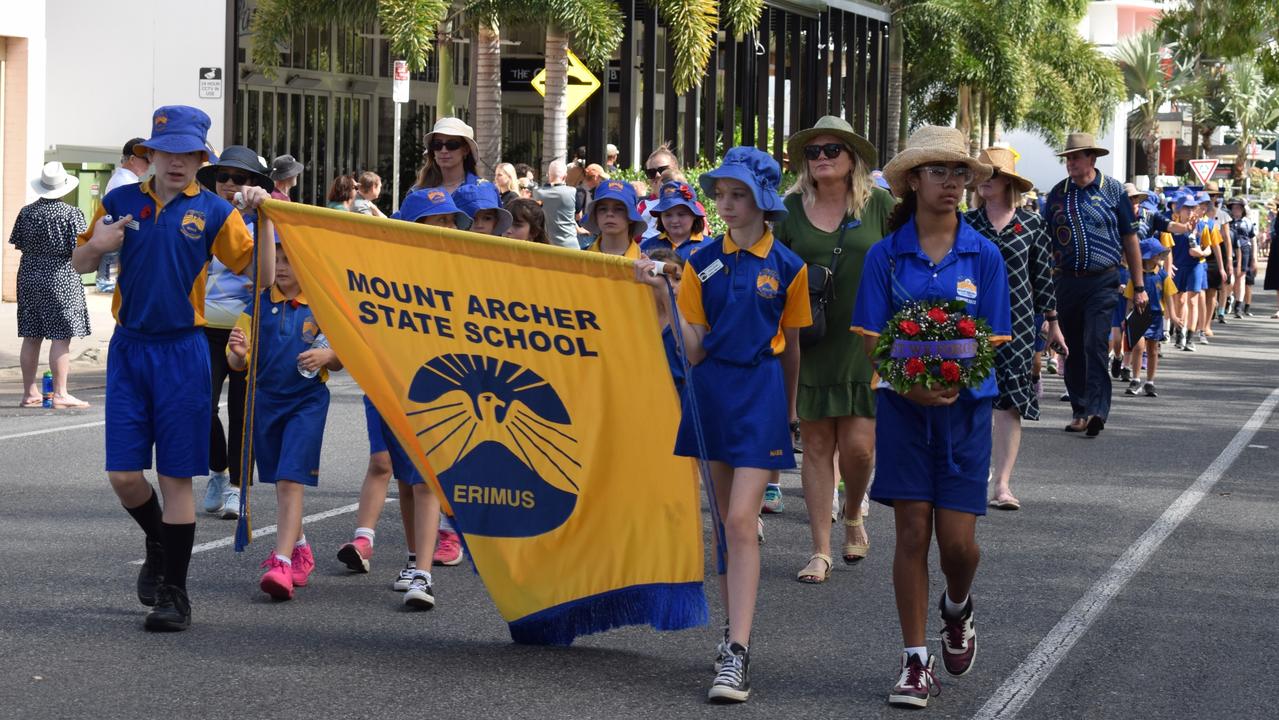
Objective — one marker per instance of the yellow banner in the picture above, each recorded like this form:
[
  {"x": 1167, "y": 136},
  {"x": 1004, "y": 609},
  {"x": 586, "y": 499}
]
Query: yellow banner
[{"x": 530, "y": 386}]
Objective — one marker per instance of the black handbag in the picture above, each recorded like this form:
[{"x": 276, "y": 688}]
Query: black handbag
[{"x": 821, "y": 289}]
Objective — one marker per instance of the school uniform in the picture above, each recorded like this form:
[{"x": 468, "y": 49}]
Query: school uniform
[
  {"x": 673, "y": 357},
  {"x": 939, "y": 455},
  {"x": 158, "y": 372},
  {"x": 632, "y": 250},
  {"x": 289, "y": 409},
  {"x": 1192, "y": 273},
  {"x": 1159, "y": 286},
  {"x": 381, "y": 439},
  {"x": 745, "y": 296},
  {"x": 662, "y": 242}
]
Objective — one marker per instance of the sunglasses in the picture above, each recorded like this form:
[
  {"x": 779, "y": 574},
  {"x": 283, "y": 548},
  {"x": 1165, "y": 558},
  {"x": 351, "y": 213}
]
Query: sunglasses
[
  {"x": 654, "y": 172},
  {"x": 233, "y": 178},
  {"x": 450, "y": 145},
  {"x": 941, "y": 173},
  {"x": 832, "y": 151}
]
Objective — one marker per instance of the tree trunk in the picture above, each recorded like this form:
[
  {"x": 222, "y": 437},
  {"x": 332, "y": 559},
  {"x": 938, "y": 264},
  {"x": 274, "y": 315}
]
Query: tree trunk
[
  {"x": 992, "y": 125},
  {"x": 488, "y": 98},
  {"x": 444, "y": 106},
  {"x": 965, "y": 118},
  {"x": 1150, "y": 143},
  {"x": 897, "y": 120},
  {"x": 555, "y": 107},
  {"x": 977, "y": 99}
]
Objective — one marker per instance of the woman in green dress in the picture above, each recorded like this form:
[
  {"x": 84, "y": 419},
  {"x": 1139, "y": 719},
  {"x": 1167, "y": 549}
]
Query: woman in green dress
[{"x": 835, "y": 205}]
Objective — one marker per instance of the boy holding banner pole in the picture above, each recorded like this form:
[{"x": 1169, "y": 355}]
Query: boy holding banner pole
[{"x": 740, "y": 306}]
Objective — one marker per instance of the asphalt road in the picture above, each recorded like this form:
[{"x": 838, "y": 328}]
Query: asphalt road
[{"x": 1187, "y": 634}]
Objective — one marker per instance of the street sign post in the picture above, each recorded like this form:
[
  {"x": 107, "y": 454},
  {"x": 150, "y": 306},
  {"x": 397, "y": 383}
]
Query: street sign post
[
  {"x": 582, "y": 83},
  {"x": 1204, "y": 169},
  {"x": 400, "y": 95}
]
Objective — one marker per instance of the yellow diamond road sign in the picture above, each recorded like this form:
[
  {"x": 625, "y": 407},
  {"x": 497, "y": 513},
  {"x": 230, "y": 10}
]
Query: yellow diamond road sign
[{"x": 581, "y": 82}]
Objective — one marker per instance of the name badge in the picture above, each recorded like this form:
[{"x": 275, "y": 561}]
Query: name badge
[{"x": 710, "y": 270}]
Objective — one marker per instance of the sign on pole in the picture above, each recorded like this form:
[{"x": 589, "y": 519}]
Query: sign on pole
[
  {"x": 400, "y": 95},
  {"x": 400, "y": 82},
  {"x": 582, "y": 83},
  {"x": 210, "y": 83},
  {"x": 1204, "y": 169}
]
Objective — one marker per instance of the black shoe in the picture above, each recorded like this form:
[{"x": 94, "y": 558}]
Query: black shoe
[
  {"x": 1125, "y": 374},
  {"x": 1065, "y": 397},
  {"x": 151, "y": 577},
  {"x": 1247, "y": 311},
  {"x": 733, "y": 681},
  {"x": 797, "y": 444},
  {"x": 1150, "y": 390},
  {"x": 172, "y": 611},
  {"x": 1221, "y": 319},
  {"x": 1116, "y": 364},
  {"x": 1095, "y": 426}
]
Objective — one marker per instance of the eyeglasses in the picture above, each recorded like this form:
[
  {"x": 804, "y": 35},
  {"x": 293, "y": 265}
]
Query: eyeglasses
[
  {"x": 941, "y": 173},
  {"x": 233, "y": 178},
  {"x": 654, "y": 172},
  {"x": 451, "y": 145},
  {"x": 832, "y": 150}
]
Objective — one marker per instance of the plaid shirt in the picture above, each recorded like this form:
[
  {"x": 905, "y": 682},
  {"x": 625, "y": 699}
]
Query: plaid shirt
[{"x": 1087, "y": 224}]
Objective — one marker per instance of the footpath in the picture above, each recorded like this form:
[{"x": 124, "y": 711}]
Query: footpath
[{"x": 88, "y": 354}]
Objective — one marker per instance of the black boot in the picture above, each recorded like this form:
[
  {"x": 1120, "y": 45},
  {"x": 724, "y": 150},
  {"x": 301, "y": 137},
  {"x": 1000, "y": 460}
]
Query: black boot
[
  {"x": 172, "y": 611},
  {"x": 151, "y": 576}
]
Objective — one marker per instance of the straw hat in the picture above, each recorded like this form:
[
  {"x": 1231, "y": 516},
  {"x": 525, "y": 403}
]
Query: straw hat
[
  {"x": 1133, "y": 192},
  {"x": 54, "y": 182},
  {"x": 1212, "y": 188},
  {"x": 838, "y": 127},
  {"x": 932, "y": 144},
  {"x": 1076, "y": 142},
  {"x": 1005, "y": 164}
]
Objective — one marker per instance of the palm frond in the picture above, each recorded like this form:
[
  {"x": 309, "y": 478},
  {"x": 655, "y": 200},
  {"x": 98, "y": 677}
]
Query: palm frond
[
  {"x": 411, "y": 26},
  {"x": 275, "y": 21},
  {"x": 691, "y": 28},
  {"x": 742, "y": 16}
]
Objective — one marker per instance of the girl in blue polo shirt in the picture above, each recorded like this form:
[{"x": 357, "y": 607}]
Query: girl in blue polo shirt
[
  {"x": 681, "y": 221},
  {"x": 742, "y": 301},
  {"x": 1191, "y": 276},
  {"x": 613, "y": 220},
  {"x": 291, "y": 405},
  {"x": 933, "y": 446}
]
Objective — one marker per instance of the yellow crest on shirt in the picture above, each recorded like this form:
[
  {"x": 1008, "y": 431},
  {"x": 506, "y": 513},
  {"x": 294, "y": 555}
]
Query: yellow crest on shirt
[
  {"x": 767, "y": 284},
  {"x": 193, "y": 224},
  {"x": 310, "y": 330},
  {"x": 966, "y": 289},
  {"x": 436, "y": 196}
]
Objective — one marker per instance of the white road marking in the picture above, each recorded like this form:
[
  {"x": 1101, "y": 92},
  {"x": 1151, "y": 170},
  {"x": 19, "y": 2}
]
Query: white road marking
[
  {"x": 270, "y": 529},
  {"x": 1259, "y": 447},
  {"x": 1021, "y": 685},
  {"x": 80, "y": 426}
]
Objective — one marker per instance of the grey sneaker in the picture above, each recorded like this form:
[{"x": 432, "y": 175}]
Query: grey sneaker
[
  {"x": 231, "y": 504},
  {"x": 1150, "y": 390},
  {"x": 733, "y": 681},
  {"x": 214, "y": 492},
  {"x": 1133, "y": 387}
]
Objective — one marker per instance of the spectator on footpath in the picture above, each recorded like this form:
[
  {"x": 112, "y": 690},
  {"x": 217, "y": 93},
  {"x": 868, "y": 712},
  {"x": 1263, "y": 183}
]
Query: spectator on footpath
[
  {"x": 450, "y": 157},
  {"x": 591, "y": 179},
  {"x": 1090, "y": 222},
  {"x": 341, "y": 194},
  {"x": 659, "y": 168},
  {"x": 50, "y": 297},
  {"x": 129, "y": 171},
  {"x": 285, "y": 173},
  {"x": 508, "y": 185},
  {"x": 558, "y": 205},
  {"x": 367, "y": 192},
  {"x": 527, "y": 221},
  {"x": 610, "y": 158}
]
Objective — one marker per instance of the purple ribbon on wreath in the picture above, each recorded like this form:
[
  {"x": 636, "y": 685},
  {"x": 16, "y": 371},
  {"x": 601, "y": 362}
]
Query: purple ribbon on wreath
[{"x": 963, "y": 349}]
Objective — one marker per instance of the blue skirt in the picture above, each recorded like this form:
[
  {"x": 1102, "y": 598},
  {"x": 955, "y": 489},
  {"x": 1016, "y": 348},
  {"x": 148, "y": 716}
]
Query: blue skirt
[{"x": 744, "y": 412}]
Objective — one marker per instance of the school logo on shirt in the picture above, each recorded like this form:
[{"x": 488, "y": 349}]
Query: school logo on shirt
[
  {"x": 310, "y": 329},
  {"x": 501, "y": 443},
  {"x": 193, "y": 224},
  {"x": 767, "y": 284},
  {"x": 966, "y": 289}
]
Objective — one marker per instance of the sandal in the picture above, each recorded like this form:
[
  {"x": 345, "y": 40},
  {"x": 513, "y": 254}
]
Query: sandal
[
  {"x": 67, "y": 402},
  {"x": 854, "y": 552},
  {"x": 812, "y": 577},
  {"x": 39, "y": 402}
]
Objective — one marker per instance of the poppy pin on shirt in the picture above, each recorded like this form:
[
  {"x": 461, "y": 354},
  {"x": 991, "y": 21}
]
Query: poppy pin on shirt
[
  {"x": 146, "y": 212},
  {"x": 1017, "y": 228}
]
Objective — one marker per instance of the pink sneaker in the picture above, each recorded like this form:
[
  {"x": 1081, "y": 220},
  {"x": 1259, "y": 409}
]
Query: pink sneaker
[
  {"x": 356, "y": 554},
  {"x": 448, "y": 551},
  {"x": 277, "y": 581},
  {"x": 303, "y": 564}
]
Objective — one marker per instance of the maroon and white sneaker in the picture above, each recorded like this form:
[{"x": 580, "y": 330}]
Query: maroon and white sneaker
[
  {"x": 916, "y": 684},
  {"x": 958, "y": 638}
]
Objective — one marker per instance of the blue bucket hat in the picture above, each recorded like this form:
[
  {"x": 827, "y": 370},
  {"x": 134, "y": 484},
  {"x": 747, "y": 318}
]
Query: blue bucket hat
[
  {"x": 432, "y": 201},
  {"x": 473, "y": 198},
  {"x": 177, "y": 129},
  {"x": 1202, "y": 198},
  {"x": 1151, "y": 248},
  {"x": 677, "y": 193},
  {"x": 622, "y": 192},
  {"x": 1185, "y": 199},
  {"x": 758, "y": 171}
]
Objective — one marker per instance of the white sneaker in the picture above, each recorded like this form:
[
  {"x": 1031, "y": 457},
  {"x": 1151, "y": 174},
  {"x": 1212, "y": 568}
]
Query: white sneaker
[
  {"x": 231, "y": 504},
  {"x": 420, "y": 595},
  {"x": 214, "y": 492},
  {"x": 404, "y": 579}
]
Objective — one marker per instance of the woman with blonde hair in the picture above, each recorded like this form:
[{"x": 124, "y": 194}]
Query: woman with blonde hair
[
  {"x": 508, "y": 185},
  {"x": 835, "y": 214}
]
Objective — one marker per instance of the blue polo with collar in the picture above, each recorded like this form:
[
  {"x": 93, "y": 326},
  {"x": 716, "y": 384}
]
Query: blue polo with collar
[
  {"x": 1087, "y": 224},
  {"x": 662, "y": 242},
  {"x": 898, "y": 271},
  {"x": 288, "y": 329}
]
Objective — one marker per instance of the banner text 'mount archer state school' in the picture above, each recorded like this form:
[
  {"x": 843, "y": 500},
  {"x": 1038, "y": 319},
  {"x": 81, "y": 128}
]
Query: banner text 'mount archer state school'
[{"x": 531, "y": 387}]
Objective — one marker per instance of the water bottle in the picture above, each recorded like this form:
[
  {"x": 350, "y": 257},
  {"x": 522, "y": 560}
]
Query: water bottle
[
  {"x": 47, "y": 389},
  {"x": 320, "y": 342}
]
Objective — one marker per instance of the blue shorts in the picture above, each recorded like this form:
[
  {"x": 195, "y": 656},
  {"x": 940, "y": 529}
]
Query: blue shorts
[
  {"x": 159, "y": 395},
  {"x": 1156, "y": 330},
  {"x": 911, "y": 457},
  {"x": 381, "y": 439},
  {"x": 287, "y": 434},
  {"x": 744, "y": 412},
  {"x": 1193, "y": 278}
]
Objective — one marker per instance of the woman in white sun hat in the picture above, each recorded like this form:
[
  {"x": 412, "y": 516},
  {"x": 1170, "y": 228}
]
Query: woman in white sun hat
[
  {"x": 50, "y": 296},
  {"x": 449, "y": 160}
]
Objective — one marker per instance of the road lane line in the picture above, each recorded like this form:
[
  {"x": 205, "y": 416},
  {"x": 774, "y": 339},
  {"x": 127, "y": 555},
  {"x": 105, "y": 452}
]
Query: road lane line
[
  {"x": 270, "y": 529},
  {"x": 46, "y": 431},
  {"x": 1021, "y": 685}
]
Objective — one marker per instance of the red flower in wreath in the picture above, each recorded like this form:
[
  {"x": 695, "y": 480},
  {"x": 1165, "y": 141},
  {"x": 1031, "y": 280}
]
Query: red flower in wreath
[
  {"x": 937, "y": 315},
  {"x": 909, "y": 328},
  {"x": 1017, "y": 228},
  {"x": 915, "y": 367},
  {"x": 950, "y": 371},
  {"x": 146, "y": 212},
  {"x": 966, "y": 327}
]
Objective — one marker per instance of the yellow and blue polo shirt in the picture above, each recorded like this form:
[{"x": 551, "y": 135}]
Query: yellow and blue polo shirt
[
  {"x": 632, "y": 250},
  {"x": 1159, "y": 286},
  {"x": 163, "y": 263},
  {"x": 685, "y": 251},
  {"x": 745, "y": 296},
  {"x": 287, "y": 330}
]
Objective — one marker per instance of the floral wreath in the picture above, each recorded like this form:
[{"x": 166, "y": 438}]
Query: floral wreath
[{"x": 935, "y": 344}]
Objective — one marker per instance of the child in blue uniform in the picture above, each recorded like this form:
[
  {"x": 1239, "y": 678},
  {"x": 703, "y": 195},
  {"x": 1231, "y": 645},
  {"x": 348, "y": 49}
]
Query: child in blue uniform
[
  {"x": 289, "y": 413},
  {"x": 1159, "y": 288},
  {"x": 159, "y": 393},
  {"x": 1191, "y": 273},
  {"x": 613, "y": 221},
  {"x": 484, "y": 206},
  {"x": 681, "y": 221},
  {"x": 742, "y": 300},
  {"x": 933, "y": 446}
]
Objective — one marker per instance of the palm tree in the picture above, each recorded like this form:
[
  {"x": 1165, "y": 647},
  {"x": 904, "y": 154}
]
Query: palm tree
[
  {"x": 1140, "y": 59},
  {"x": 1255, "y": 106}
]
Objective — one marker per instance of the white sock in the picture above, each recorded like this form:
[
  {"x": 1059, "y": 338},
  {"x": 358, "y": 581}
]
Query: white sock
[
  {"x": 954, "y": 609},
  {"x": 283, "y": 559},
  {"x": 446, "y": 525},
  {"x": 366, "y": 533},
  {"x": 919, "y": 652},
  {"x": 301, "y": 542}
]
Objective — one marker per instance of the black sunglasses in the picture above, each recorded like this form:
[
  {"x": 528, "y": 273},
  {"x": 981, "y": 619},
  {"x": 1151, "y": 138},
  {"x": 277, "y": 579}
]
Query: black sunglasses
[
  {"x": 233, "y": 178},
  {"x": 654, "y": 172},
  {"x": 832, "y": 150},
  {"x": 451, "y": 145}
]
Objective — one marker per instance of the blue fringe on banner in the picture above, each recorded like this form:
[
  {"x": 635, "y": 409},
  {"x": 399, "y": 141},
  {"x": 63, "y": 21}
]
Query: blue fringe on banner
[{"x": 675, "y": 606}]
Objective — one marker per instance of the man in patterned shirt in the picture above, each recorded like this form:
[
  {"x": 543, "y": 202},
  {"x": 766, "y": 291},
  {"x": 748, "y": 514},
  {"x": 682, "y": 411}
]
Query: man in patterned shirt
[{"x": 1092, "y": 230}]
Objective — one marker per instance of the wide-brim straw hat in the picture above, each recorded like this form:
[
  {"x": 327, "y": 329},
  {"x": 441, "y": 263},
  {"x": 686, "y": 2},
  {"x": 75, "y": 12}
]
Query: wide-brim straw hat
[
  {"x": 1080, "y": 141},
  {"x": 1005, "y": 164},
  {"x": 54, "y": 181},
  {"x": 1212, "y": 188},
  {"x": 455, "y": 127},
  {"x": 933, "y": 144},
  {"x": 838, "y": 127},
  {"x": 1133, "y": 192}
]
